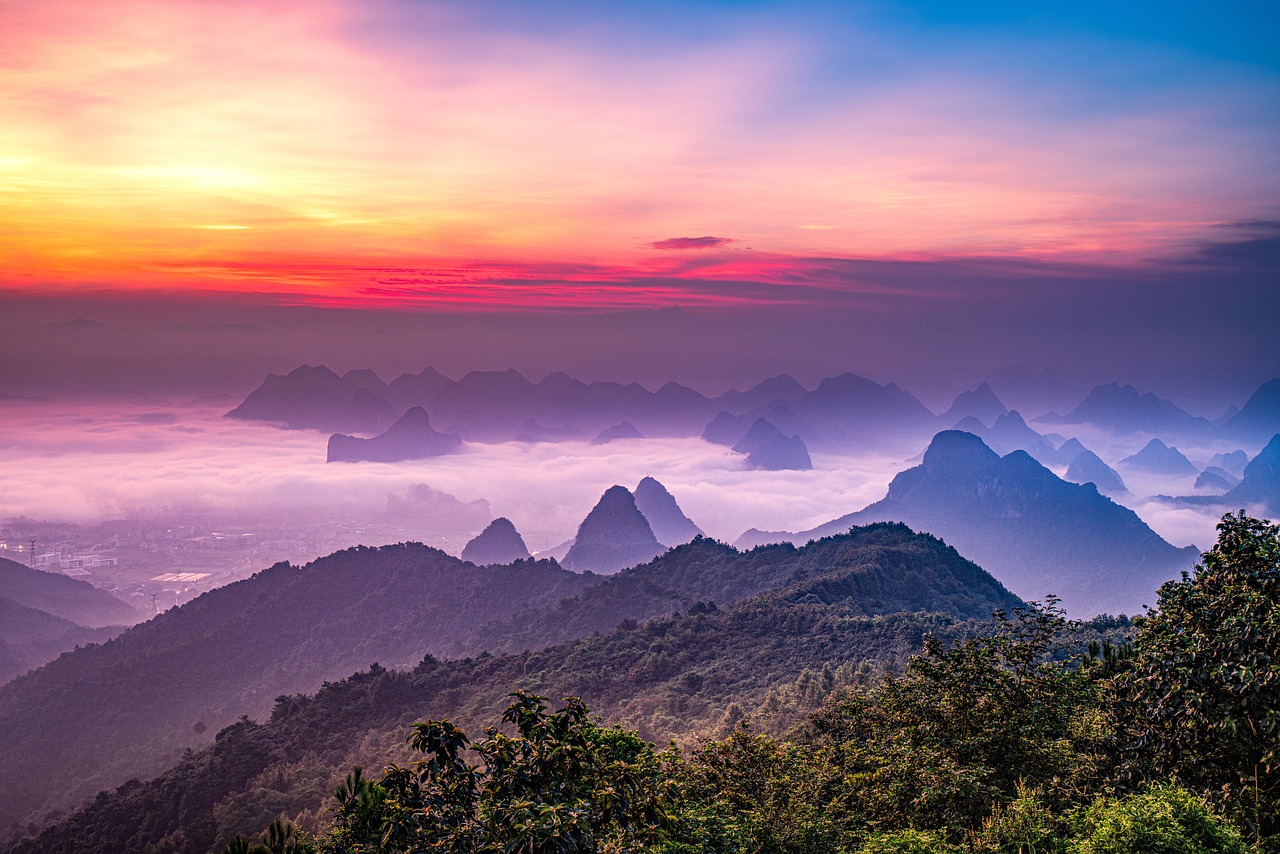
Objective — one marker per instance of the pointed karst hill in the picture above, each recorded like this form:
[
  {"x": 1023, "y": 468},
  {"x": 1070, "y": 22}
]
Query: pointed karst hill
[
  {"x": 1158, "y": 458},
  {"x": 981, "y": 403},
  {"x": 669, "y": 524},
  {"x": 410, "y": 438},
  {"x": 1260, "y": 415},
  {"x": 499, "y": 543},
  {"x": 315, "y": 398},
  {"x": 767, "y": 448},
  {"x": 614, "y": 536},
  {"x": 1088, "y": 467},
  {"x": 1261, "y": 483},
  {"x": 1029, "y": 528}
]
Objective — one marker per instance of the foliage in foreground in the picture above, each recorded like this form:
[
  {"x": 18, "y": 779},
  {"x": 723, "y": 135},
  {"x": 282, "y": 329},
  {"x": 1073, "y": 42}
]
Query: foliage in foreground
[{"x": 993, "y": 744}]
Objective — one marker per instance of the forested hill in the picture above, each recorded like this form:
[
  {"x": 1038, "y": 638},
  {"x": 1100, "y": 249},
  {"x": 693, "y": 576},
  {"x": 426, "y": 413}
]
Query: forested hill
[
  {"x": 882, "y": 568},
  {"x": 776, "y": 654},
  {"x": 101, "y": 714}
]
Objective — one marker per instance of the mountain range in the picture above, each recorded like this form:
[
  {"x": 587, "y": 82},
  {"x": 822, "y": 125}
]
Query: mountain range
[
  {"x": 841, "y": 412},
  {"x": 831, "y": 606},
  {"x": 502, "y": 405},
  {"x": 1037, "y": 533}
]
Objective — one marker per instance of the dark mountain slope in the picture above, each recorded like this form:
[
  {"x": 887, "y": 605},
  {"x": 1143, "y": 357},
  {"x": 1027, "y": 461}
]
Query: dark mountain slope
[
  {"x": 68, "y": 598},
  {"x": 104, "y": 713},
  {"x": 30, "y": 637},
  {"x": 890, "y": 567},
  {"x": 668, "y": 678}
]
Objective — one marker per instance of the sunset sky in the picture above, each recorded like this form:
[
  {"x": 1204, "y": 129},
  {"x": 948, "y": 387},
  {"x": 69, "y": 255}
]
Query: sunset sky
[{"x": 515, "y": 154}]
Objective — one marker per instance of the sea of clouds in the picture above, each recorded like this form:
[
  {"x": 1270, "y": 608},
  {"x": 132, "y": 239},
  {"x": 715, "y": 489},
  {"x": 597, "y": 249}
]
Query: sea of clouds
[{"x": 151, "y": 459}]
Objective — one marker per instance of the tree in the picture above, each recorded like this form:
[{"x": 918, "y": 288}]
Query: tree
[
  {"x": 965, "y": 728},
  {"x": 561, "y": 783},
  {"x": 1201, "y": 703}
]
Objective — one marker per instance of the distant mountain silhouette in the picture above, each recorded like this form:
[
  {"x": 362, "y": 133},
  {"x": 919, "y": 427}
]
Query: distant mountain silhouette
[
  {"x": 369, "y": 381},
  {"x": 410, "y": 438},
  {"x": 1259, "y": 418},
  {"x": 367, "y": 413},
  {"x": 614, "y": 535},
  {"x": 1261, "y": 482},
  {"x": 1088, "y": 467},
  {"x": 1233, "y": 462},
  {"x": 1066, "y": 452},
  {"x": 669, "y": 524},
  {"x": 981, "y": 403},
  {"x": 418, "y": 389},
  {"x": 782, "y": 389},
  {"x": 1123, "y": 410},
  {"x": 767, "y": 448},
  {"x": 316, "y": 398},
  {"x": 424, "y": 508},
  {"x": 848, "y": 408},
  {"x": 1158, "y": 458},
  {"x": 532, "y": 431},
  {"x": 1035, "y": 532},
  {"x": 499, "y": 543},
  {"x": 1215, "y": 478},
  {"x": 69, "y": 598},
  {"x": 490, "y": 406},
  {"x": 1008, "y": 433},
  {"x": 625, "y": 430},
  {"x": 1226, "y": 416},
  {"x": 726, "y": 429}
]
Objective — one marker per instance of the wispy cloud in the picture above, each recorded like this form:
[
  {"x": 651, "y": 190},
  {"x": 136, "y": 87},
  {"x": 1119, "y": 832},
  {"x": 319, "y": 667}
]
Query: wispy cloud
[{"x": 691, "y": 242}]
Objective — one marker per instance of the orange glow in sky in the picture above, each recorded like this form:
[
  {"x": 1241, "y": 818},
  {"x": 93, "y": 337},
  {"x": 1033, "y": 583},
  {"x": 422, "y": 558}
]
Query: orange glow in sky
[{"x": 297, "y": 147}]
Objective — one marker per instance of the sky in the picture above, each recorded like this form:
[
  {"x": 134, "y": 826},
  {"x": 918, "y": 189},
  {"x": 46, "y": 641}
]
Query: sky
[
  {"x": 491, "y": 155},
  {"x": 712, "y": 192}
]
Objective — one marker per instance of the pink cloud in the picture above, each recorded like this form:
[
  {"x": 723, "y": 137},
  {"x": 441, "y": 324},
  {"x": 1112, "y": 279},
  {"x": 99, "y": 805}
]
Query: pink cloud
[{"x": 691, "y": 242}]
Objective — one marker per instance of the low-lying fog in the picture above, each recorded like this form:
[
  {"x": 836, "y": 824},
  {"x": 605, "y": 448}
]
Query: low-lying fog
[{"x": 153, "y": 460}]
